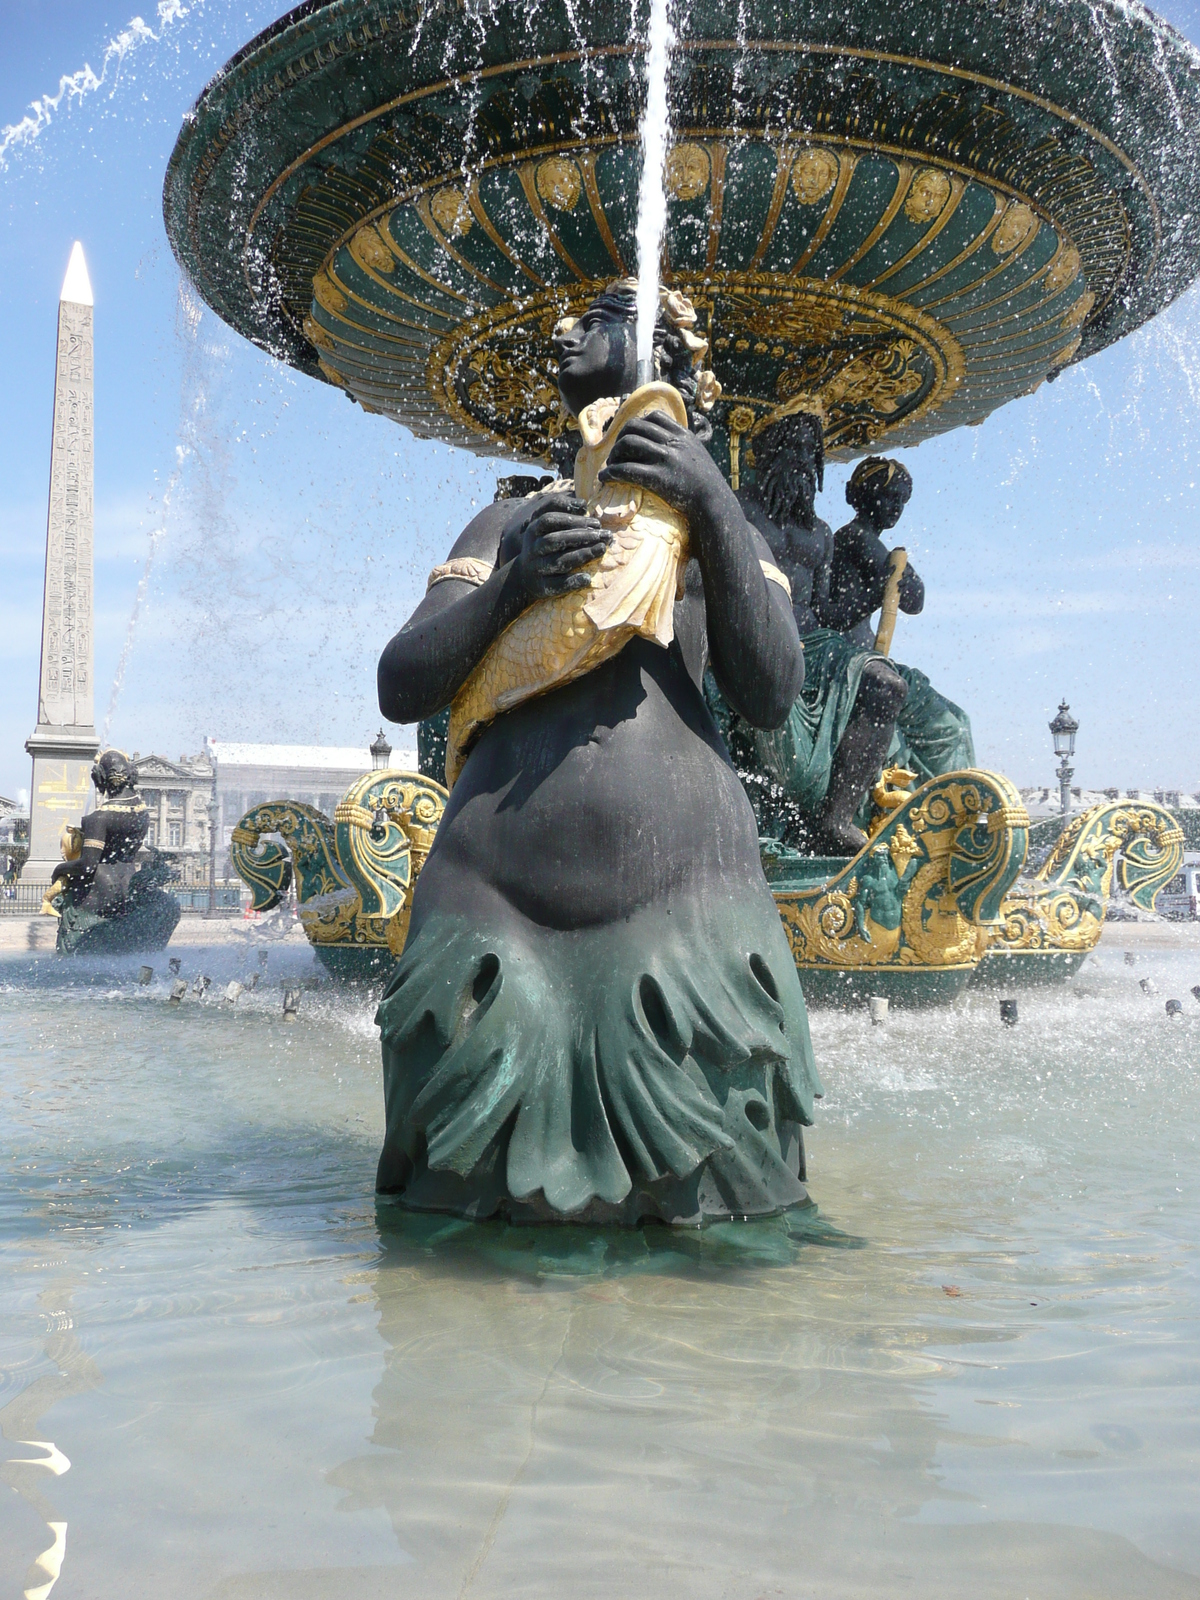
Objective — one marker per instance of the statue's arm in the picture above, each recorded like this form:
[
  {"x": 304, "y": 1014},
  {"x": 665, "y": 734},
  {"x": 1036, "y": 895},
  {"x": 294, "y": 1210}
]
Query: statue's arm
[
  {"x": 753, "y": 642},
  {"x": 424, "y": 665},
  {"x": 872, "y": 557},
  {"x": 823, "y": 577},
  {"x": 752, "y": 639},
  {"x": 94, "y": 828},
  {"x": 850, "y": 589},
  {"x": 859, "y": 577}
]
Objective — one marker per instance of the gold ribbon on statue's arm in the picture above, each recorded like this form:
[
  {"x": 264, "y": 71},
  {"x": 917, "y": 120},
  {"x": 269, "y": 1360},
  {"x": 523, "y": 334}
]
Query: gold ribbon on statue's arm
[
  {"x": 773, "y": 575},
  {"x": 897, "y": 562},
  {"x": 467, "y": 569},
  {"x": 632, "y": 590}
]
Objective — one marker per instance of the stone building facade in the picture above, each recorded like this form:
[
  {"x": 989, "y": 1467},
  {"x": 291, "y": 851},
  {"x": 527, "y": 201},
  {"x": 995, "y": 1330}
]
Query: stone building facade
[
  {"x": 236, "y": 777},
  {"x": 179, "y": 795}
]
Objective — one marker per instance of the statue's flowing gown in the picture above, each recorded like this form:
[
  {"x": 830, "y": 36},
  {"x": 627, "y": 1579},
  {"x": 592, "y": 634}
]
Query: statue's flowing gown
[{"x": 596, "y": 1015}]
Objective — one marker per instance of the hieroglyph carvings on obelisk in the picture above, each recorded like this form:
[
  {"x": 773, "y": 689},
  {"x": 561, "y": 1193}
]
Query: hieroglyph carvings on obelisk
[{"x": 64, "y": 742}]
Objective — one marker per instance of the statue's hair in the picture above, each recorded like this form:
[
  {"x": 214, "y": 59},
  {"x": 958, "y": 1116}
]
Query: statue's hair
[
  {"x": 111, "y": 770},
  {"x": 871, "y": 476},
  {"x": 675, "y": 347},
  {"x": 789, "y": 467},
  {"x": 792, "y": 435}
]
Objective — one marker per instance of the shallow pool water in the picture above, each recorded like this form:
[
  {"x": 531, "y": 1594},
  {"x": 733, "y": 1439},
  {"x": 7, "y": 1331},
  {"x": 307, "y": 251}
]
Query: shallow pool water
[{"x": 974, "y": 1371}]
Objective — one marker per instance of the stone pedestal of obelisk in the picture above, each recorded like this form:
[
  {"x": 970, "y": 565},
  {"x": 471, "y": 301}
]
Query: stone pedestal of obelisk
[{"x": 64, "y": 742}]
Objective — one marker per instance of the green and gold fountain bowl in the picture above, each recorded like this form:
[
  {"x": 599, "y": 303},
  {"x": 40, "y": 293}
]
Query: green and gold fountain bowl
[{"x": 905, "y": 213}]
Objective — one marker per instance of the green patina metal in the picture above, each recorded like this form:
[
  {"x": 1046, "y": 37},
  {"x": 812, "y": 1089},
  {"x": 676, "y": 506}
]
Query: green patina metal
[
  {"x": 904, "y": 214},
  {"x": 354, "y": 876},
  {"x": 285, "y": 839},
  {"x": 1050, "y": 921}
]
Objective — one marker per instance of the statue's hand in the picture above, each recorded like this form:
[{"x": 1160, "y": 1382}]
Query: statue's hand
[
  {"x": 556, "y": 542},
  {"x": 658, "y": 454}
]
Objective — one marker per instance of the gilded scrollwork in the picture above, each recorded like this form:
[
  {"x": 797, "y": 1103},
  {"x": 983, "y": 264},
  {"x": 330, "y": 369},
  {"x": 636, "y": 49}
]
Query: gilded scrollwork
[
  {"x": 353, "y": 877},
  {"x": 307, "y": 850},
  {"x": 865, "y": 361},
  {"x": 384, "y": 829},
  {"x": 1062, "y": 906},
  {"x": 925, "y": 888}
]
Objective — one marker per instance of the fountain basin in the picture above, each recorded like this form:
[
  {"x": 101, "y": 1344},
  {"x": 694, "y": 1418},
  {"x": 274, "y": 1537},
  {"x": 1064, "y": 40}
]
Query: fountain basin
[{"x": 901, "y": 217}]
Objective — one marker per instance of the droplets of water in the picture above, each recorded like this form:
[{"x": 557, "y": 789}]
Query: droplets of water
[
  {"x": 652, "y": 198},
  {"x": 156, "y": 534},
  {"x": 76, "y": 86}
]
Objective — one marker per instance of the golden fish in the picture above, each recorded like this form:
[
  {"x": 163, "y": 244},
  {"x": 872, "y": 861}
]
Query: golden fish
[{"x": 634, "y": 586}]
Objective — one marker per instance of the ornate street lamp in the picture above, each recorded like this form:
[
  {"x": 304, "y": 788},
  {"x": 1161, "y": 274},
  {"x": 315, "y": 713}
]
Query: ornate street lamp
[
  {"x": 1063, "y": 730},
  {"x": 381, "y": 752}
]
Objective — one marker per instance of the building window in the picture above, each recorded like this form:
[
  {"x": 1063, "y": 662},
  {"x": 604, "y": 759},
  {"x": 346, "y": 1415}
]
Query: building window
[
  {"x": 175, "y": 830},
  {"x": 152, "y": 836}
]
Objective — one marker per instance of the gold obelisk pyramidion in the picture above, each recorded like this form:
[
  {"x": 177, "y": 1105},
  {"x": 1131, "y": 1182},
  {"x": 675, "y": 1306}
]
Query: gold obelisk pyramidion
[{"x": 64, "y": 742}]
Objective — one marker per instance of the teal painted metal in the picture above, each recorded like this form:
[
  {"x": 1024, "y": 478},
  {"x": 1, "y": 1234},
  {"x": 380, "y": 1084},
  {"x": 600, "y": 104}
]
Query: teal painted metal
[{"x": 911, "y": 213}]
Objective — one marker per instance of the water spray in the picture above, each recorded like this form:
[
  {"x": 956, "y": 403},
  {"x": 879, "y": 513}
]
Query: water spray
[
  {"x": 181, "y": 454},
  {"x": 77, "y": 85},
  {"x": 652, "y": 197}
]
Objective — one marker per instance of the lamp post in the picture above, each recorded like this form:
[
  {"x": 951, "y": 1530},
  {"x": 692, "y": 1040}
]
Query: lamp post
[
  {"x": 1063, "y": 730},
  {"x": 381, "y": 752},
  {"x": 213, "y": 816}
]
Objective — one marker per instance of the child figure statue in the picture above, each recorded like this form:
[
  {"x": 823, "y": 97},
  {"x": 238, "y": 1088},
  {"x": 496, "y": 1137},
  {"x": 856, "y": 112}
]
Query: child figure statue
[
  {"x": 596, "y": 1016},
  {"x": 932, "y": 735}
]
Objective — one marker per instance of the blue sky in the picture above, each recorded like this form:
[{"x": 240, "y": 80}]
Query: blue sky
[{"x": 292, "y": 533}]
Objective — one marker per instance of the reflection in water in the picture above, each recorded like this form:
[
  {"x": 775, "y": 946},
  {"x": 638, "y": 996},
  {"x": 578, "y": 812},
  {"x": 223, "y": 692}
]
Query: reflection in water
[
  {"x": 23, "y": 1416},
  {"x": 971, "y": 1371}
]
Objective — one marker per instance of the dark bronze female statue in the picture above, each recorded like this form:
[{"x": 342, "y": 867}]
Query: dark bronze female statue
[
  {"x": 108, "y": 896},
  {"x": 99, "y": 878},
  {"x": 596, "y": 1015}
]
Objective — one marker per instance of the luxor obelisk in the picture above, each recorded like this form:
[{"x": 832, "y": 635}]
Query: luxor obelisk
[{"x": 64, "y": 742}]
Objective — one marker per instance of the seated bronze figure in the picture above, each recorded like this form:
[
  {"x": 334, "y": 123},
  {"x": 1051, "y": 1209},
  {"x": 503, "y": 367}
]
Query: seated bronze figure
[
  {"x": 811, "y": 774},
  {"x": 108, "y": 896},
  {"x": 932, "y": 735},
  {"x": 596, "y": 1015}
]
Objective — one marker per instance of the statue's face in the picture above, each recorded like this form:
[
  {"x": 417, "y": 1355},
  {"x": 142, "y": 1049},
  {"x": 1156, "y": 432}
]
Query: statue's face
[
  {"x": 891, "y": 503},
  {"x": 787, "y": 485},
  {"x": 597, "y": 357}
]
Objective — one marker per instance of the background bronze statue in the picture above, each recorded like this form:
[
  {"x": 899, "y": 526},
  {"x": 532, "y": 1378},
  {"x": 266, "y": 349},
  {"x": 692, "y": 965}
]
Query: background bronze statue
[
  {"x": 113, "y": 833},
  {"x": 596, "y": 1015},
  {"x": 933, "y": 735},
  {"x": 810, "y": 776},
  {"x": 824, "y": 756},
  {"x": 108, "y": 896}
]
